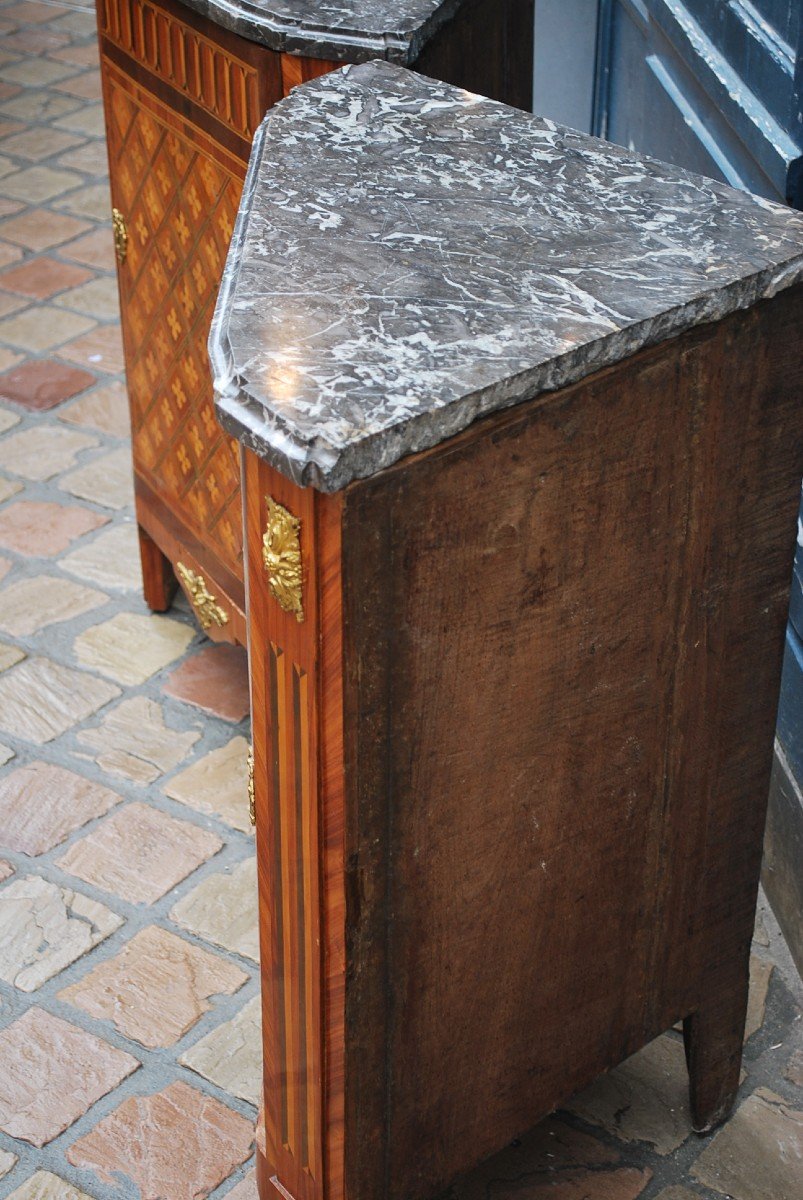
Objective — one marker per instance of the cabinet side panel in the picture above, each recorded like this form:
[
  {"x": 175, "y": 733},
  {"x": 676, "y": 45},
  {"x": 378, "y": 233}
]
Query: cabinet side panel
[
  {"x": 297, "y": 747},
  {"x": 564, "y": 638}
]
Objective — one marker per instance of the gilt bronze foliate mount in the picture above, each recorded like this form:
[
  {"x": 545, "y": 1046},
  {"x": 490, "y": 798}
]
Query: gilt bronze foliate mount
[
  {"x": 205, "y": 605},
  {"x": 281, "y": 557}
]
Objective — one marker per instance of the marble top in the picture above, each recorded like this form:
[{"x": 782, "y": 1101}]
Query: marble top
[
  {"x": 338, "y": 30},
  {"x": 409, "y": 257}
]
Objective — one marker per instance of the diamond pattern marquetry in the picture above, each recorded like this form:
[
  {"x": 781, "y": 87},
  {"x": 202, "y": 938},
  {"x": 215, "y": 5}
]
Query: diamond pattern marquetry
[{"x": 179, "y": 205}]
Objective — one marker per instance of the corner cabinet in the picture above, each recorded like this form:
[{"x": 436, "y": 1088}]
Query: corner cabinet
[{"x": 183, "y": 98}]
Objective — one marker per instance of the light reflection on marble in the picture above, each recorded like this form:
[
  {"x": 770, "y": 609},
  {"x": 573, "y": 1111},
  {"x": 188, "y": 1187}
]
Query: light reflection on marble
[
  {"x": 409, "y": 257},
  {"x": 337, "y": 30}
]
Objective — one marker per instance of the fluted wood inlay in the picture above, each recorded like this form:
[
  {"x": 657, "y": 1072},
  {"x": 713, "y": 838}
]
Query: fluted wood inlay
[
  {"x": 218, "y": 81},
  {"x": 293, "y": 816}
]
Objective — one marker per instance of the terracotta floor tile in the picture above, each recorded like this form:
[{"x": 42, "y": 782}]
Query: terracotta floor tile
[
  {"x": 110, "y": 560},
  {"x": 43, "y": 327},
  {"x": 39, "y": 106},
  {"x": 223, "y": 909},
  {"x": 40, "y": 699},
  {"x": 78, "y": 23},
  {"x": 108, "y": 480},
  {"x": 86, "y": 86},
  {"x": 97, "y": 298},
  {"x": 42, "y": 528},
  {"x": 8, "y": 419},
  {"x": 9, "y": 254},
  {"x": 38, "y": 229},
  {"x": 94, "y": 249},
  {"x": 29, "y": 13},
  {"x": 129, "y": 647},
  {"x": 101, "y": 349},
  {"x": 217, "y": 784},
  {"x": 133, "y": 741},
  {"x": 8, "y": 488},
  {"x": 7, "y": 128},
  {"x": 8, "y": 359},
  {"x": 51, "y": 1073},
  {"x": 231, "y": 1055},
  {"x": 246, "y": 1189},
  {"x": 93, "y": 201},
  {"x": 91, "y": 159},
  {"x": 37, "y": 72},
  {"x": 39, "y": 386},
  {"x": 42, "y": 804},
  {"x": 88, "y": 119},
  {"x": 41, "y": 452},
  {"x": 156, "y": 988},
  {"x": 10, "y": 303},
  {"x": 34, "y": 41},
  {"x": 36, "y": 184},
  {"x": 38, "y": 143},
  {"x": 178, "y": 1143},
  {"x": 44, "y": 1185},
  {"x": 8, "y": 207},
  {"x": 215, "y": 680},
  {"x": 81, "y": 56},
  {"x": 9, "y": 657},
  {"x": 104, "y": 408},
  {"x": 44, "y": 928},
  {"x": 32, "y": 604},
  {"x": 139, "y": 853},
  {"x": 41, "y": 278}
]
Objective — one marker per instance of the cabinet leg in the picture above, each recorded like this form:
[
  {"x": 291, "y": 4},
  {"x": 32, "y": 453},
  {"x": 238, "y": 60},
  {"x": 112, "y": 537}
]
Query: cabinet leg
[
  {"x": 713, "y": 1038},
  {"x": 158, "y": 581}
]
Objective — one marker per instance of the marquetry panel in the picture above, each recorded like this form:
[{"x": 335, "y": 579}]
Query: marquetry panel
[
  {"x": 296, "y": 691},
  {"x": 178, "y": 194},
  {"x": 224, "y": 85}
]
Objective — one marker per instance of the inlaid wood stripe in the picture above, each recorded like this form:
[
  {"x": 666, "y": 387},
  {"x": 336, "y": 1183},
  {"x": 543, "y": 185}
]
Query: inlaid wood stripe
[
  {"x": 301, "y": 755},
  {"x": 278, "y": 771},
  {"x": 212, "y": 76}
]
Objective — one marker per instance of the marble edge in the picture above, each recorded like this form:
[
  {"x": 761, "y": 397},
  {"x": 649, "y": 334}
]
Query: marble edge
[
  {"x": 317, "y": 40},
  {"x": 328, "y": 469}
]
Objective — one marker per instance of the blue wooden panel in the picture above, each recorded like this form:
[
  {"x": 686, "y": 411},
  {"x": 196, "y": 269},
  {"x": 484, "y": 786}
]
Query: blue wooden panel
[
  {"x": 716, "y": 86},
  {"x": 710, "y": 86},
  {"x": 754, "y": 48}
]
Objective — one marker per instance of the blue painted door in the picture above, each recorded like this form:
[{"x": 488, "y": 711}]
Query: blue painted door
[{"x": 715, "y": 86}]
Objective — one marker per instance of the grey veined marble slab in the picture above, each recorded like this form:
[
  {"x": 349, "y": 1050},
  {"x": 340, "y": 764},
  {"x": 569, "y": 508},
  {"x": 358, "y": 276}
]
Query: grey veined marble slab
[
  {"x": 409, "y": 257},
  {"x": 339, "y": 30}
]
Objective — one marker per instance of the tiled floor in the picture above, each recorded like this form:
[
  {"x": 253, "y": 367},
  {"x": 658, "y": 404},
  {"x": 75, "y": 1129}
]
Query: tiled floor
[
  {"x": 129, "y": 1058},
  {"x": 129, "y": 1022}
]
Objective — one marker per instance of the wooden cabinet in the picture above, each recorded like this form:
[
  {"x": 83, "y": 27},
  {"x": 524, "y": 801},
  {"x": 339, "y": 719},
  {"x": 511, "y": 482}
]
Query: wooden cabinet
[
  {"x": 183, "y": 98},
  {"x": 520, "y": 525}
]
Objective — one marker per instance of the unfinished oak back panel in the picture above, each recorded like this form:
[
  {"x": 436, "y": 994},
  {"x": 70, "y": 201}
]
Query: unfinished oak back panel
[{"x": 564, "y": 631}]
